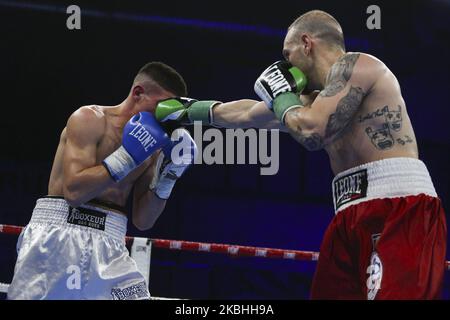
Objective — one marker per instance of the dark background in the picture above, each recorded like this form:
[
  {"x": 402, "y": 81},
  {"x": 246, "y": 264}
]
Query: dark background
[{"x": 48, "y": 71}]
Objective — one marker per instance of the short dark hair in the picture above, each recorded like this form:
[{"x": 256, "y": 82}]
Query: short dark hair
[
  {"x": 321, "y": 25},
  {"x": 165, "y": 76}
]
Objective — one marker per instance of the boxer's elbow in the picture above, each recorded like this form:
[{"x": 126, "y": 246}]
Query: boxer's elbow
[
  {"x": 73, "y": 200},
  {"x": 147, "y": 208},
  {"x": 301, "y": 120},
  {"x": 304, "y": 129},
  {"x": 312, "y": 140},
  {"x": 72, "y": 195},
  {"x": 144, "y": 218},
  {"x": 142, "y": 224}
]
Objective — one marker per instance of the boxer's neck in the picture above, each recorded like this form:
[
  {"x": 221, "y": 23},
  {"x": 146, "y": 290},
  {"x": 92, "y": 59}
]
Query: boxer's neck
[
  {"x": 324, "y": 63},
  {"x": 125, "y": 110}
]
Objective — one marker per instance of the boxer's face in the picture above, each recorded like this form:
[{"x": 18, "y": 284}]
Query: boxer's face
[
  {"x": 297, "y": 52},
  {"x": 293, "y": 51}
]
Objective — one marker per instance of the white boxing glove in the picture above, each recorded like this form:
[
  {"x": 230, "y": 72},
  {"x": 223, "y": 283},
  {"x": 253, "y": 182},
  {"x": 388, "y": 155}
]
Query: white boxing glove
[{"x": 172, "y": 162}]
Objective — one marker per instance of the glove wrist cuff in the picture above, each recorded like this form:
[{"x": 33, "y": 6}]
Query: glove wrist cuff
[
  {"x": 119, "y": 164},
  {"x": 164, "y": 188},
  {"x": 283, "y": 103},
  {"x": 202, "y": 111}
]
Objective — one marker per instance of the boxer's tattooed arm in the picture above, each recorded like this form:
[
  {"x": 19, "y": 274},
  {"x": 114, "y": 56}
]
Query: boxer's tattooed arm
[
  {"x": 346, "y": 107},
  {"x": 337, "y": 121},
  {"x": 339, "y": 75},
  {"x": 345, "y": 110},
  {"x": 311, "y": 142}
]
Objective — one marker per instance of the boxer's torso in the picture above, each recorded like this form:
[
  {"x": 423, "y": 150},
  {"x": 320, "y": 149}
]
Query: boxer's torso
[
  {"x": 110, "y": 141},
  {"x": 380, "y": 129}
]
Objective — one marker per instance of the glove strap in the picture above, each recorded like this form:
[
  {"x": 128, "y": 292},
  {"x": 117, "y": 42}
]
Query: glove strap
[
  {"x": 284, "y": 102},
  {"x": 202, "y": 111},
  {"x": 119, "y": 164}
]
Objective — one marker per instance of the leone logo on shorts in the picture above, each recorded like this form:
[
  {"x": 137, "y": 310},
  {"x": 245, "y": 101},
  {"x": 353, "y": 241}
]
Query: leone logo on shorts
[
  {"x": 350, "y": 188},
  {"x": 87, "y": 218}
]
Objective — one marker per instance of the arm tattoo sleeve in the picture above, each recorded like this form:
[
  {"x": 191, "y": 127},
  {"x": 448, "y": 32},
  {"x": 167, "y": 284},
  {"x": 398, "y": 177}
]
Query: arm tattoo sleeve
[
  {"x": 345, "y": 110},
  {"x": 337, "y": 121},
  {"x": 339, "y": 74},
  {"x": 311, "y": 142}
]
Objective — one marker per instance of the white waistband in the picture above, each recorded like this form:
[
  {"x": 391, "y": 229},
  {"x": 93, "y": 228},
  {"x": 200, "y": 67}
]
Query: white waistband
[
  {"x": 388, "y": 178},
  {"x": 57, "y": 211}
]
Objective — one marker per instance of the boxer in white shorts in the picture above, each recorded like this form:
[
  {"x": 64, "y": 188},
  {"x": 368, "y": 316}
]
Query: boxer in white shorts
[
  {"x": 74, "y": 245},
  {"x": 75, "y": 253}
]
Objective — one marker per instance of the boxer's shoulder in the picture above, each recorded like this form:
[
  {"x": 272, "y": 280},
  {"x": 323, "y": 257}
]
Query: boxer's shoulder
[
  {"x": 363, "y": 57},
  {"x": 90, "y": 112},
  {"x": 360, "y": 68},
  {"x": 368, "y": 64},
  {"x": 87, "y": 120}
]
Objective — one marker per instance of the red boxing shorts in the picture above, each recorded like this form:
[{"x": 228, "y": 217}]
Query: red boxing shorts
[{"x": 388, "y": 238}]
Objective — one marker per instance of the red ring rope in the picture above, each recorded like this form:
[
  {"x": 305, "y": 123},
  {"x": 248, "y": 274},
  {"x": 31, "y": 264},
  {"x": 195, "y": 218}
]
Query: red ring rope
[{"x": 233, "y": 250}]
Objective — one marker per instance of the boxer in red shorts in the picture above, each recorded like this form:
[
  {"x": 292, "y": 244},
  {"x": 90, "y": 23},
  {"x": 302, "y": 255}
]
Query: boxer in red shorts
[
  {"x": 387, "y": 240},
  {"x": 388, "y": 237}
]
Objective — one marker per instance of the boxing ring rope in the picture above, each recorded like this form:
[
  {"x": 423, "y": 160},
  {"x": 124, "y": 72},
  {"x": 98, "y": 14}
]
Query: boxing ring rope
[
  {"x": 232, "y": 250},
  {"x": 181, "y": 245}
]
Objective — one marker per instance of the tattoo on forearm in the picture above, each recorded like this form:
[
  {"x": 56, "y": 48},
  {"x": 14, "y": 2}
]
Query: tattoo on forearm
[
  {"x": 337, "y": 79},
  {"x": 345, "y": 110},
  {"x": 337, "y": 122},
  {"x": 339, "y": 75},
  {"x": 311, "y": 142}
]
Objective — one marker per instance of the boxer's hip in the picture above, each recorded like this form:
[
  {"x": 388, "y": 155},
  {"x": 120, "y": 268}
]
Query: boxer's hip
[
  {"x": 74, "y": 253},
  {"x": 388, "y": 178},
  {"x": 390, "y": 219},
  {"x": 55, "y": 211}
]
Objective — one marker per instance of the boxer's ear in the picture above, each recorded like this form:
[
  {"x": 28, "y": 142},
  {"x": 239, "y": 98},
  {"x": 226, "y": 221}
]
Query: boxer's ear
[
  {"x": 137, "y": 92},
  {"x": 306, "y": 42}
]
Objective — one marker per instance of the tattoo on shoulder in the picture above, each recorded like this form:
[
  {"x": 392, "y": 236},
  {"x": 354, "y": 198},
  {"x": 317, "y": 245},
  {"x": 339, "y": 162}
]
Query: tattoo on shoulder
[
  {"x": 339, "y": 75},
  {"x": 345, "y": 110}
]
